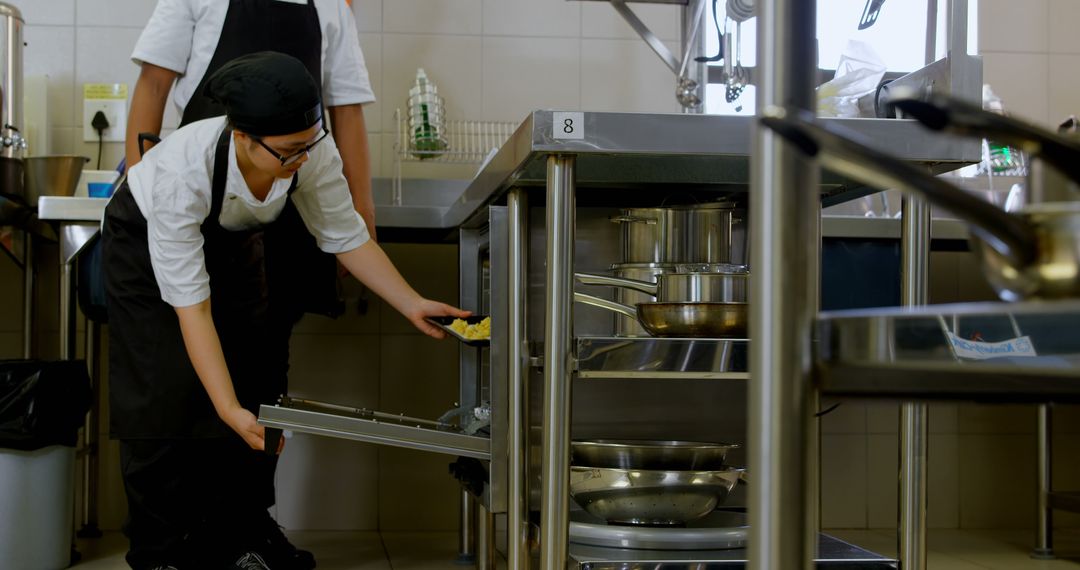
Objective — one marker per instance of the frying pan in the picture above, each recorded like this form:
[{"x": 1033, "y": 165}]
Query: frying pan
[{"x": 688, "y": 320}]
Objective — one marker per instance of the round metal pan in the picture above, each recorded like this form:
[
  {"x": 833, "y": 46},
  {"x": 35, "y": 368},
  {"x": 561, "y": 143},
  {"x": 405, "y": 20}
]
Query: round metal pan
[
  {"x": 651, "y": 497},
  {"x": 649, "y": 454},
  {"x": 686, "y": 320}
]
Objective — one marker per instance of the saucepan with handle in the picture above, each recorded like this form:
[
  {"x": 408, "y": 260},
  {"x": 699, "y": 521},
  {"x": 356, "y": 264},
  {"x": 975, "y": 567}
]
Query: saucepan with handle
[{"x": 1032, "y": 254}]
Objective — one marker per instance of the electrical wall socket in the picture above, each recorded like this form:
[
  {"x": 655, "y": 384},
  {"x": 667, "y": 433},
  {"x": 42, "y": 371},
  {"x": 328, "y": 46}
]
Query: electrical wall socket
[{"x": 115, "y": 110}]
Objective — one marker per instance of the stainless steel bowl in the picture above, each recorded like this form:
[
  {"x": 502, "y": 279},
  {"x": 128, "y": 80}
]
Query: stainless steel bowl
[
  {"x": 650, "y": 497},
  {"x": 649, "y": 454}
]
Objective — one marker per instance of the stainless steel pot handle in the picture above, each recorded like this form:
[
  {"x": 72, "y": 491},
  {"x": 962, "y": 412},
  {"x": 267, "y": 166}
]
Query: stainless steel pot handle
[
  {"x": 942, "y": 113},
  {"x": 593, "y": 279},
  {"x": 625, "y": 310},
  {"x": 847, "y": 153},
  {"x": 633, "y": 220}
]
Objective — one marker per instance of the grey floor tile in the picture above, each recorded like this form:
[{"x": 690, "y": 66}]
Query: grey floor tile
[{"x": 425, "y": 551}]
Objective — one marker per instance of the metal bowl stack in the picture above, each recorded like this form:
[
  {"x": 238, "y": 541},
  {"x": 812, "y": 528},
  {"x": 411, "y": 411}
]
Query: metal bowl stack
[{"x": 659, "y": 483}]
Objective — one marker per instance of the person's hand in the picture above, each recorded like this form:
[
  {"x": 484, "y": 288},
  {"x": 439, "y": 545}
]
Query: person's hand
[
  {"x": 428, "y": 308},
  {"x": 247, "y": 426}
]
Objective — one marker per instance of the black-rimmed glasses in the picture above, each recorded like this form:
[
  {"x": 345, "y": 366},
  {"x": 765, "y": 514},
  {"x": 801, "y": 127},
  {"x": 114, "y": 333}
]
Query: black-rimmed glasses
[{"x": 293, "y": 157}]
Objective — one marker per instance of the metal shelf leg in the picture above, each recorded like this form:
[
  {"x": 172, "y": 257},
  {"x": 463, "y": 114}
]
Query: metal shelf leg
[{"x": 1044, "y": 529}]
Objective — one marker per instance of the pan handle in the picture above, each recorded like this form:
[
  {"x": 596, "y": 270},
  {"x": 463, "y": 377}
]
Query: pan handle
[
  {"x": 594, "y": 279},
  {"x": 625, "y": 310},
  {"x": 847, "y": 153},
  {"x": 942, "y": 113}
]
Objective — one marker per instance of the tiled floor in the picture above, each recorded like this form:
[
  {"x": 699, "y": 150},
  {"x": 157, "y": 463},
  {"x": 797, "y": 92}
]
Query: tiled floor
[
  {"x": 949, "y": 550},
  {"x": 333, "y": 550},
  {"x": 976, "y": 549}
]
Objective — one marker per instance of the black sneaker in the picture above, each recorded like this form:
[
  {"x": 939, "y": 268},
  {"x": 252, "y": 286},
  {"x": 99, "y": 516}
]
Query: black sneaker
[
  {"x": 280, "y": 553},
  {"x": 250, "y": 561}
]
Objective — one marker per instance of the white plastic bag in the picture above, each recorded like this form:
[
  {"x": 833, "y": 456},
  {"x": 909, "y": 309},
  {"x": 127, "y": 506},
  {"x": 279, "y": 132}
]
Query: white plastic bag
[{"x": 858, "y": 73}]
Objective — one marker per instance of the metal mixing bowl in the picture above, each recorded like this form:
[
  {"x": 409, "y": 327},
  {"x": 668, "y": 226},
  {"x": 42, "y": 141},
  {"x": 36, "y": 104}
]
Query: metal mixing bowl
[
  {"x": 649, "y": 454},
  {"x": 648, "y": 497}
]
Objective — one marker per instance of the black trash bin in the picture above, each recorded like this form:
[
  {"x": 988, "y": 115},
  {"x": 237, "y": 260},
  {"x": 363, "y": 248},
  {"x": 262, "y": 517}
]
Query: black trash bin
[{"x": 42, "y": 406}]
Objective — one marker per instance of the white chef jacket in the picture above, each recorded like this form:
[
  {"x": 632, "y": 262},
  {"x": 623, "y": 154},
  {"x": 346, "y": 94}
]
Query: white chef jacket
[
  {"x": 172, "y": 187},
  {"x": 182, "y": 36}
]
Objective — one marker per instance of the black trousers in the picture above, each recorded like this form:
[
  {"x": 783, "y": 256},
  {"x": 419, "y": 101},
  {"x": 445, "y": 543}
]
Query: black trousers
[{"x": 194, "y": 503}]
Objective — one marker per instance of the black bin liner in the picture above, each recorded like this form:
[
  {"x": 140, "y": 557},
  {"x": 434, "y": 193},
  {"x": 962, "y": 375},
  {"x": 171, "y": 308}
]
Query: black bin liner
[{"x": 42, "y": 403}]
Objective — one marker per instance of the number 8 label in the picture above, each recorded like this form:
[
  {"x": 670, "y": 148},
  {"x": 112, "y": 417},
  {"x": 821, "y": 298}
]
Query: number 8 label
[{"x": 568, "y": 125}]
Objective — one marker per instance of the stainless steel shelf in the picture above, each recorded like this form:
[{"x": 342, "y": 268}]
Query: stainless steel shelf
[
  {"x": 1019, "y": 352},
  {"x": 674, "y": 358},
  {"x": 66, "y": 208},
  {"x": 372, "y": 427}
]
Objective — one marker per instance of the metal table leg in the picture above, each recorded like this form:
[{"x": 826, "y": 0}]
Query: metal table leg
[
  {"x": 485, "y": 538},
  {"x": 554, "y": 509},
  {"x": 785, "y": 209},
  {"x": 467, "y": 530},
  {"x": 915, "y": 258},
  {"x": 517, "y": 524},
  {"x": 1044, "y": 530}
]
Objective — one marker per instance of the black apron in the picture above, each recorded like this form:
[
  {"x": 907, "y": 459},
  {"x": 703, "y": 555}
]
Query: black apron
[
  {"x": 154, "y": 391},
  {"x": 258, "y": 25}
]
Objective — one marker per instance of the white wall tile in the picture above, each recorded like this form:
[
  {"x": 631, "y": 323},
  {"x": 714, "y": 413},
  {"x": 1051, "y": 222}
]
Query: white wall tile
[
  {"x": 548, "y": 18},
  {"x": 944, "y": 418},
  {"x": 625, "y": 76},
  {"x": 883, "y": 417},
  {"x": 996, "y": 419},
  {"x": 453, "y": 63},
  {"x": 130, "y": 13},
  {"x": 849, "y": 417},
  {"x": 103, "y": 55},
  {"x": 361, "y": 314},
  {"x": 11, "y": 345},
  {"x": 1021, "y": 80},
  {"x": 998, "y": 472},
  {"x": 327, "y": 484},
  {"x": 1062, "y": 36},
  {"x": 943, "y": 481},
  {"x": 432, "y": 16},
  {"x": 1064, "y": 87},
  {"x": 371, "y": 45},
  {"x": 882, "y": 469},
  {"x": 369, "y": 15},
  {"x": 46, "y": 12},
  {"x": 525, "y": 74},
  {"x": 60, "y": 139},
  {"x": 600, "y": 20},
  {"x": 342, "y": 369},
  {"x": 432, "y": 270},
  {"x": 50, "y": 50},
  {"x": 843, "y": 481},
  {"x": 1005, "y": 25}
]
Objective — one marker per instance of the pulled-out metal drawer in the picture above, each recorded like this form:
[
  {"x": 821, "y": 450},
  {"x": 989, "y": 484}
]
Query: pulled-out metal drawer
[{"x": 369, "y": 426}]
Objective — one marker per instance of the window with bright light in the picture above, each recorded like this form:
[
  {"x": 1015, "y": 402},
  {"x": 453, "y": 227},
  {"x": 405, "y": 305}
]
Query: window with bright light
[{"x": 898, "y": 38}]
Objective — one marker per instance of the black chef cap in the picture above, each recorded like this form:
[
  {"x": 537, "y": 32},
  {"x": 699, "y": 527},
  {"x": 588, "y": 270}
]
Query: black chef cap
[{"x": 266, "y": 94}]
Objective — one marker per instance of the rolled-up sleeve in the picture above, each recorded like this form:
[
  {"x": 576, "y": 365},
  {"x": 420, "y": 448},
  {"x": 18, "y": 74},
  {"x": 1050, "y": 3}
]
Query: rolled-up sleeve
[
  {"x": 322, "y": 198},
  {"x": 345, "y": 76},
  {"x": 174, "y": 235},
  {"x": 166, "y": 40}
]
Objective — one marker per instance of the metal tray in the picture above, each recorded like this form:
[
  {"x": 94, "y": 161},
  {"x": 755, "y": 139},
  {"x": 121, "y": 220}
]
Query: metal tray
[
  {"x": 720, "y": 530},
  {"x": 444, "y": 324}
]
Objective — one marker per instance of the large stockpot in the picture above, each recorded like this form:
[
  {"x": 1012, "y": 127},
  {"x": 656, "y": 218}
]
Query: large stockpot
[{"x": 703, "y": 233}]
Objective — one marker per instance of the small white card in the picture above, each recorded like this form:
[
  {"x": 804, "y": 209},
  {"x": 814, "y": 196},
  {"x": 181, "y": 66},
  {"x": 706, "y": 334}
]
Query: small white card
[
  {"x": 976, "y": 350},
  {"x": 568, "y": 125}
]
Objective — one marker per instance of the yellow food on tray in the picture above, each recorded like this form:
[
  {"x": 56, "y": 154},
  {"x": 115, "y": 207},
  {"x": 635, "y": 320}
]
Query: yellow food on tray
[{"x": 478, "y": 331}]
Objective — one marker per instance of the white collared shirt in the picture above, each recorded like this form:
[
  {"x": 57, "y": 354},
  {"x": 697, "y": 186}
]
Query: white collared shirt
[
  {"x": 172, "y": 187},
  {"x": 182, "y": 36}
]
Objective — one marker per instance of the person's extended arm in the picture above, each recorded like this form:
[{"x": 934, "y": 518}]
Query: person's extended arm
[
  {"x": 369, "y": 264},
  {"x": 147, "y": 108},
  {"x": 350, "y": 133},
  {"x": 204, "y": 350}
]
